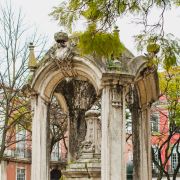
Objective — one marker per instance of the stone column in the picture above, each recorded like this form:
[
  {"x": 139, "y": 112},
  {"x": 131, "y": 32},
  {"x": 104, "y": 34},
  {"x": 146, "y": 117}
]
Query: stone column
[
  {"x": 142, "y": 144},
  {"x": 113, "y": 164},
  {"x": 3, "y": 171},
  {"x": 40, "y": 152}
]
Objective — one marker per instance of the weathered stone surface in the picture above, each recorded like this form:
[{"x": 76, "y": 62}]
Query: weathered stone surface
[
  {"x": 112, "y": 85},
  {"x": 40, "y": 151},
  {"x": 93, "y": 133},
  {"x": 61, "y": 36},
  {"x": 113, "y": 164},
  {"x": 88, "y": 165},
  {"x": 3, "y": 170},
  {"x": 79, "y": 96},
  {"x": 32, "y": 63},
  {"x": 84, "y": 169}
]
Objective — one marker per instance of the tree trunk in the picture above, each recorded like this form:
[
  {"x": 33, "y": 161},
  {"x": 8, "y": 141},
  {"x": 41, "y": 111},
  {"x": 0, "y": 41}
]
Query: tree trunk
[{"x": 80, "y": 96}]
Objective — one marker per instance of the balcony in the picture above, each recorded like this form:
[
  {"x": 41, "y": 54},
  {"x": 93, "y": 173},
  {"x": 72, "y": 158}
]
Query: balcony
[
  {"x": 18, "y": 153},
  {"x": 24, "y": 154},
  {"x": 169, "y": 168}
]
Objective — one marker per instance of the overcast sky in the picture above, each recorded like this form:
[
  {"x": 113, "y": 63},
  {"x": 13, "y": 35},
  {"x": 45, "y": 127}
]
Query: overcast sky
[{"x": 36, "y": 13}]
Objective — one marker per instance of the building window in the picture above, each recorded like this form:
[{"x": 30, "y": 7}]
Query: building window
[
  {"x": 128, "y": 122},
  {"x": 20, "y": 174},
  {"x": 174, "y": 160},
  {"x": 155, "y": 154},
  {"x": 155, "y": 122},
  {"x": 55, "y": 152},
  {"x": 21, "y": 144}
]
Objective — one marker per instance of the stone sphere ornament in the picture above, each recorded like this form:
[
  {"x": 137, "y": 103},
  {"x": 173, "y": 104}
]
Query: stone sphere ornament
[{"x": 61, "y": 37}]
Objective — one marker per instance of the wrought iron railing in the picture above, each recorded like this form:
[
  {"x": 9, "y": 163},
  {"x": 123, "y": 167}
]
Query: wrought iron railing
[
  {"x": 18, "y": 153},
  {"x": 26, "y": 154},
  {"x": 169, "y": 168}
]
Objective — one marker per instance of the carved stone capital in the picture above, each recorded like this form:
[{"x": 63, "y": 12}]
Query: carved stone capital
[
  {"x": 112, "y": 79},
  {"x": 27, "y": 90}
]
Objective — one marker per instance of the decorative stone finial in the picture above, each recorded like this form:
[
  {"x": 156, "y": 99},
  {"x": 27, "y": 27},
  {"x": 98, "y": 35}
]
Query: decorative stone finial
[
  {"x": 61, "y": 37},
  {"x": 32, "y": 64}
]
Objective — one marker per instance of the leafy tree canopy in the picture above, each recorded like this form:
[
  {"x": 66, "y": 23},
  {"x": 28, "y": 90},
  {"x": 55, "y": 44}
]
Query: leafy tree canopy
[
  {"x": 100, "y": 43},
  {"x": 104, "y": 14},
  {"x": 170, "y": 88}
]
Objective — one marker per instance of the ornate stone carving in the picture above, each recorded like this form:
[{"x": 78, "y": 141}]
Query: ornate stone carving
[
  {"x": 92, "y": 143},
  {"x": 87, "y": 147},
  {"x": 116, "y": 99},
  {"x": 64, "y": 52},
  {"x": 129, "y": 96}
]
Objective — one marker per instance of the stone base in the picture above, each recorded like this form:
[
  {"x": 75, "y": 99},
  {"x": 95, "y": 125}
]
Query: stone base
[{"x": 88, "y": 167}]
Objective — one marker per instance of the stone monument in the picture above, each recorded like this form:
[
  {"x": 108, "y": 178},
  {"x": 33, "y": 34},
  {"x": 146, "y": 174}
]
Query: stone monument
[
  {"x": 88, "y": 165},
  {"x": 130, "y": 81}
]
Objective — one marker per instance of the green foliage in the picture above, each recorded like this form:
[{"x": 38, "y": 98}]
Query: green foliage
[
  {"x": 170, "y": 52},
  {"x": 167, "y": 46},
  {"x": 65, "y": 17},
  {"x": 92, "y": 12},
  {"x": 104, "y": 12},
  {"x": 153, "y": 48},
  {"x": 169, "y": 58},
  {"x": 176, "y": 2},
  {"x": 62, "y": 178},
  {"x": 170, "y": 88},
  {"x": 21, "y": 114},
  {"x": 93, "y": 40},
  {"x": 99, "y": 43}
]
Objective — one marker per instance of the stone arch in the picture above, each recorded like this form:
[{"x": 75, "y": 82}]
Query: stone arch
[
  {"x": 62, "y": 62},
  {"x": 148, "y": 88},
  {"x": 62, "y": 102},
  {"x": 145, "y": 81},
  {"x": 49, "y": 76},
  {"x": 45, "y": 79},
  {"x": 145, "y": 92}
]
